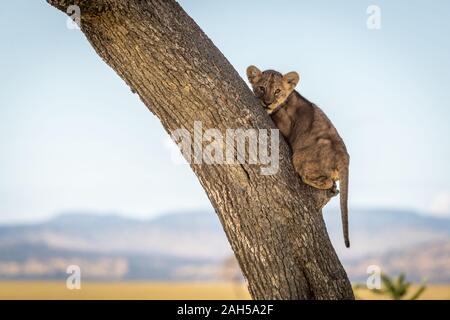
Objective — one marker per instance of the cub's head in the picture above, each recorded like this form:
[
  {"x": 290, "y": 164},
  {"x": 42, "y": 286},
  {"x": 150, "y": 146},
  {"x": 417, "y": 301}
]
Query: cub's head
[{"x": 271, "y": 87}]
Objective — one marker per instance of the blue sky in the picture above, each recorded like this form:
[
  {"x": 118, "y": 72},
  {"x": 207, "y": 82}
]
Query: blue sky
[{"x": 73, "y": 137}]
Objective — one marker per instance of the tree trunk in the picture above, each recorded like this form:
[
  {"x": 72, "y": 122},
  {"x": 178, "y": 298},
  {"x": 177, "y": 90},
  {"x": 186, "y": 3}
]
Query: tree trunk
[{"x": 272, "y": 222}]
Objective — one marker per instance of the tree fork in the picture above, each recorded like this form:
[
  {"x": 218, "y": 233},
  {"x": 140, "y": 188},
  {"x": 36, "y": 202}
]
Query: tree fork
[{"x": 273, "y": 223}]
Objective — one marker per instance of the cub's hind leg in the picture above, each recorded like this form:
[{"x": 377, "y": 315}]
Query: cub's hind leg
[
  {"x": 319, "y": 181},
  {"x": 312, "y": 174},
  {"x": 326, "y": 186}
]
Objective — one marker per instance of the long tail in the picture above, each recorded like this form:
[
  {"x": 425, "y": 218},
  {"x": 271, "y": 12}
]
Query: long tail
[{"x": 343, "y": 185}]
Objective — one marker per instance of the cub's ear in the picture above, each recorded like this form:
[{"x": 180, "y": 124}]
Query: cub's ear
[
  {"x": 253, "y": 74},
  {"x": 292, "y": 79}
]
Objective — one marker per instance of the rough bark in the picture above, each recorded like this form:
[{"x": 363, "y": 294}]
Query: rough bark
[{"x": 272, "y": 223}]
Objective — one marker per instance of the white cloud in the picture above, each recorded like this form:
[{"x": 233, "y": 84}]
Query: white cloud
[{"x": 440, "y": 204}]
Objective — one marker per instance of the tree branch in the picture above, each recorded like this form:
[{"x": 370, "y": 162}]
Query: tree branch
[{"x": 273, "y": 223}]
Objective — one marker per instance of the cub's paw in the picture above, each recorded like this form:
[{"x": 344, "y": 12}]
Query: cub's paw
[{"x": 333, "y": 191}]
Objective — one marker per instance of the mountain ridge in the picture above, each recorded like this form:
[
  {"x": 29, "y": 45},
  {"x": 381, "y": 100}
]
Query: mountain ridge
[{"x": 165, "y": 246}]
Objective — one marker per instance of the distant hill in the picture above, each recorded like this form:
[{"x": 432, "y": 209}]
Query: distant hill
[
  {"x": 430, "y": 262},
  {"x": 189, "y": 234},
  {"x": 193, "y": 246},
  {"x": 377, "y": 231}
]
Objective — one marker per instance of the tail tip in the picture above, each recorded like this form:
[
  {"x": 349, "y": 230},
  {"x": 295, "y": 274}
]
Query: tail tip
[{"x": 347, "y": 243}]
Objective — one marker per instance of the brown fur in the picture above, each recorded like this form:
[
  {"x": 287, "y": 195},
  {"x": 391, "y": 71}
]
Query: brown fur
[{"x": 319, "y": 153}]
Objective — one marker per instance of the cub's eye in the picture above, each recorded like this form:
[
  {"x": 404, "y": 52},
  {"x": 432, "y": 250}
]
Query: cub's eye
[
  {"x": 277, "y": 92},
  {"x": 261, "y": 89}
]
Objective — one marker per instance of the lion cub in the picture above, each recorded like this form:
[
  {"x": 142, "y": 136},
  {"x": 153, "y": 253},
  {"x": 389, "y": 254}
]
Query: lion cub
[{"x": 319, "y": 153}]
